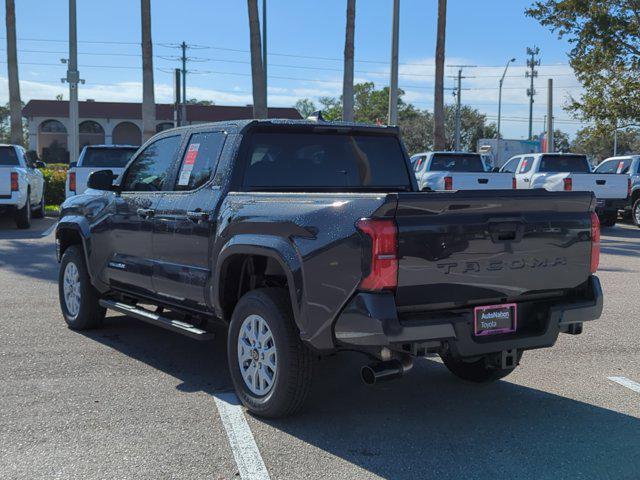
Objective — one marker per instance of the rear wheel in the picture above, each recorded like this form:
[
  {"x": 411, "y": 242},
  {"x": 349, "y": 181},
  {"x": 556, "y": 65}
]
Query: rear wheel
[
  {"x": 635, "y": 212},
  {"x": 608, "y": 219},
  {"x": 482, "y": 370},
  {"x": 270, "y": 367},
  {"x": 79, "y": 300},
  {"x": 23, "y": 215}
]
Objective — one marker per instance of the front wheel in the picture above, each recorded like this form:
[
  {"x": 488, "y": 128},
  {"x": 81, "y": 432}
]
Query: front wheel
[
  {"x": 482, "y": 370},
  {"x": 635, "y": 212},
  {"x": 79, "y": 300},
  {"x": 40, "y": 211},
  {"x": 270, "y": 367}
]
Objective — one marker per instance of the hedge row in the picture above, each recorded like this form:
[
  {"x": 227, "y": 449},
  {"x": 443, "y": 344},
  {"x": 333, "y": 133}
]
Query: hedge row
[{"x": 54, "y": 183}]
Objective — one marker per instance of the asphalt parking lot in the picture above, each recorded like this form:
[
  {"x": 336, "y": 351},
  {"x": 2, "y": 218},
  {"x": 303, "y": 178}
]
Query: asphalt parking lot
[{"x": 133, "y": 401}]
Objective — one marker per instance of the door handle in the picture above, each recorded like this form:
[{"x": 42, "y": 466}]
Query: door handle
[
  {"x": 145, "y": 212},
  {"x": 198, "y": 216}
]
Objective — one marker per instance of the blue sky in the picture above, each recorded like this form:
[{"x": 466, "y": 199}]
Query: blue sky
[{"x": 482, "y": 33}]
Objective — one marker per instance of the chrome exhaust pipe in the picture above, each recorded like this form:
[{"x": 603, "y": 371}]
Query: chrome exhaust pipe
[{"x": 383, "y": 371}]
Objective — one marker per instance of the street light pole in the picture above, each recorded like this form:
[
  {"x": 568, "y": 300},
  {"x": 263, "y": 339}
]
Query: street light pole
[{"x": 506, "y": 67}]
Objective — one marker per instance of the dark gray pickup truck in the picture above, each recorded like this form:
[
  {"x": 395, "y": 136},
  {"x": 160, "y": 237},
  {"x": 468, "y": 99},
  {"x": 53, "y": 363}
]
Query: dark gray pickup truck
[{"x": 307, "y": 238}]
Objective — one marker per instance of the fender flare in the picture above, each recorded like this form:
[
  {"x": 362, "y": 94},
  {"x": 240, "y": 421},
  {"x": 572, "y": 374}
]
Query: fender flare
[
  {"x": 270, "y": 246},
  {"x": 80, "y": 225}
]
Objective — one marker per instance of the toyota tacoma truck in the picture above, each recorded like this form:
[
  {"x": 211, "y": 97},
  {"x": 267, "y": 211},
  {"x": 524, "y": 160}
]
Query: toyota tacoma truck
[
  {"x": 457, "y": 171},
  {"x": 626, "y": 165},
  {"x": 21, "y": 185},
  {"x": 307, "y": 238},
  {"x": 93, "y": 158},
  {"x": 570, "y": 172}
]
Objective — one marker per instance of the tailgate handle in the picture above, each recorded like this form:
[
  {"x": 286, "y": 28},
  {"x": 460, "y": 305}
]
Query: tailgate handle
[
  {"x": 483, "y": 180},
  {"x": 506, "y": 232},
  {"x": 601, "y": 182}
]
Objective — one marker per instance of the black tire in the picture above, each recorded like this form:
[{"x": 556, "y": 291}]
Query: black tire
[
  {"x": 608, "y": 220},
  {"x": 40, "y": 211},
  {"x": 479, "y": 371},
  {"x": 293, "y": 376},
  {"x": 23, "y": 215},
  {"x": 90, "y": 314},
  {"x": 635, "y": 212}
]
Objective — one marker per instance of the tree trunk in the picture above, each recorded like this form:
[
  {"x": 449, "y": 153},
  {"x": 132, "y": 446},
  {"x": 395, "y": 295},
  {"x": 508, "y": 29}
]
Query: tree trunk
[
  {"x": 148, "y": 97},
  {"x": 257, "y": 70},
  {"x": 347, "y": 83},
  {"x": 438, "y": 107},
  {"x": 15, "y": 105}
]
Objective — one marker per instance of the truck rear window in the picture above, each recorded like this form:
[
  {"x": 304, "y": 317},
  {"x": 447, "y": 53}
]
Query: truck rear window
[
  {"x": 8, "y": 157},
  {"x": 107, "y": 157},
  {"x": 326, "y": 161},
  {"x": 564, "y": 163},
  {"x": 456, "y": 163}
]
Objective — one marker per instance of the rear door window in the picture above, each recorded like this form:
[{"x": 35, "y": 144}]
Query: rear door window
[
  {"x": 107, "y": 157},
  {"x": 8, "y": 157},
  {"x": 200, "y": 160},
  {"x": 564, "y": 163},
  {"x": 325, "y": 161},
  {"x": 610, "y": 166},
  {"x": 456, "y": 163}
]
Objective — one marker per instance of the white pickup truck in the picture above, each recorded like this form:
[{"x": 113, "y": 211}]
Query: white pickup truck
[
  {"x": 571, "y": 172},
  {"x": 457, "y": 171},
  {"x": 21, "y": 185},
  {"x": 96, "y": 157}
]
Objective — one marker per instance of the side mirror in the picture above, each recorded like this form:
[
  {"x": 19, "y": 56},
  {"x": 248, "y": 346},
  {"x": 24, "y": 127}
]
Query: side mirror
[
  {"x": 40, "y": 164},
  {"x": 73, "y": 164},
  {"x": 102, "y": 180}
]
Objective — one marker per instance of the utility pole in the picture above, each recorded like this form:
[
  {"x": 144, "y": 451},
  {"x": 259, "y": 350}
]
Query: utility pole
[
  {"x": 532, "y": 63},
  {"x": 550, "y": 146},
  {"x": 458, "y": 93},
  {"x": 497, "y": 159},
  {"x": 177, "y": 114},
  {"x": 184, "y": 47},
  {"x": 73, "y": 78},
  {"x": 264, "y": 50},
  {"x": 393, "y": 83}
]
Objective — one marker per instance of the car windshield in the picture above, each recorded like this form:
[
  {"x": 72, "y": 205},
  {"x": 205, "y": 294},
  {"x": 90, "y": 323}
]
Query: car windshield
[
  {"x": 107, "y": 157},
  {"x": 466, "y": 162},
  {"x": 564, "y": 163},
  {"x": 8, "y": 157},
  {"x": 303, "y": 160}
]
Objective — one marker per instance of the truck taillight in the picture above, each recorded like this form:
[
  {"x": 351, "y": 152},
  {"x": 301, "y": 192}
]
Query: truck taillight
[
  {"x": 448, "y": 183},
  {"x": 628, "y": 187},
  {"x": 14, "y": 182},
  {"x": 514, "y": 183},
  {"x": 72, "y": 181},
  {"x": 568, "y": 184},
  {"x": 383, "y": 265},
  {"x": 595, "y": 242}
]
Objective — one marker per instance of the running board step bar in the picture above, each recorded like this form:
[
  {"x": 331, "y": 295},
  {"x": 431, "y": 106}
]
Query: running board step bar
[{"x": 158, "y": 320}]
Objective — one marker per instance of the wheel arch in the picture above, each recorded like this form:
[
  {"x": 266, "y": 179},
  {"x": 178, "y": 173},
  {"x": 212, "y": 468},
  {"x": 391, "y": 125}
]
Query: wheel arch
[{"x": 73, "y": 232}]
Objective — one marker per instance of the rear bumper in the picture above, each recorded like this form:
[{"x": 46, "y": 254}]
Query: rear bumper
[
  {"x": 370, "y": 321},
  {"x": 15, "y": 200},
  {"x": 612, "y": 205}
]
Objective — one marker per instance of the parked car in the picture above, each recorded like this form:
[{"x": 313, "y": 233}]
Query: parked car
[
  {"x": 457, "y": 171},
  {"x": 626, "y": 165},
  {"x": 570, "y": 172},
  {"x": 21, "y": 185},
  {"x": 308, "y": 238},
  {"x": 93, "y": 158}
]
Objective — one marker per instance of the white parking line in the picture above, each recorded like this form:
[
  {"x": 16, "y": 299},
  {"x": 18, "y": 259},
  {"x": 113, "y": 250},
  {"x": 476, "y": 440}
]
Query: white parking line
[
  {"x": 243, "y": 445},
  {"x": 625, "y": 382}
]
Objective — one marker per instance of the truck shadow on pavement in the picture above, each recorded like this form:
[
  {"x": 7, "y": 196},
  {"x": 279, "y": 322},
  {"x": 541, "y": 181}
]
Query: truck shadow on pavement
[
  {"x": 623, "y": 241},
  {"x": 8, "y": 230},
  {"x": 426, "y": 425},
  {"x": 31, "y": 259}
]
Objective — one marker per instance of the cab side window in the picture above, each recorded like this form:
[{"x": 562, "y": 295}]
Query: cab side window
[
  {"x": 148, "y": 172},
  {"x": 610, "y": 166},
  {"x": 525, "y": 166},
  {"x": 511, "y": 165},
  {"x": 200, "y": 160}
]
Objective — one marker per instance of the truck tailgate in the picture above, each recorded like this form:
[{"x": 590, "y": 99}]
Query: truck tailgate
[
  {"x": 481, "y": 181},
  {"x": 5, "y": 180},
  {"x": 604, "y": 186},
  {"x": 472, "y": 248}
]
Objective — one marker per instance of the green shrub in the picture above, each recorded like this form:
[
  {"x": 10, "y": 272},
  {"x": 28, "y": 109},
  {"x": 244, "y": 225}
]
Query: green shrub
[
  {"x": 54, "y": 183},
  {"x": 57, "y": 166}
]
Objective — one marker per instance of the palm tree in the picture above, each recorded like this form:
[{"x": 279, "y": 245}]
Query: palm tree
[
  {"x": 148, "y": 98},
  {"x": 347, "y": 82},
  {"x": 15, "y": 105},
  {"x": 257, "y": 70},
  {"x": 438, "y": 107}
]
